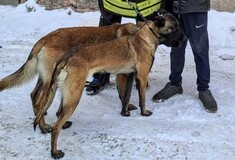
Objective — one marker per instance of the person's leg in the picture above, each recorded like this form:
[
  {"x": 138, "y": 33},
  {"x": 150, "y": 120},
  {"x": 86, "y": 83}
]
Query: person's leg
[
  {"x": 108, "y": 18},
  {"x": 198, "y": 38},
  {"x": 177, "y": 58}
]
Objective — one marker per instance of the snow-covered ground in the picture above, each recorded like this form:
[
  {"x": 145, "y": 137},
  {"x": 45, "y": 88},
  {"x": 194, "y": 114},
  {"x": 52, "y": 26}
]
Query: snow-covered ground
[{"x": 179, "y": 129}]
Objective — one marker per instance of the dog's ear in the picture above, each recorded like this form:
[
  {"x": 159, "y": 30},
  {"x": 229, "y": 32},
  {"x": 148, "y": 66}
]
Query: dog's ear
[
  {"x": 161, "y": 11},
  {"x": 160, "y": 22}
]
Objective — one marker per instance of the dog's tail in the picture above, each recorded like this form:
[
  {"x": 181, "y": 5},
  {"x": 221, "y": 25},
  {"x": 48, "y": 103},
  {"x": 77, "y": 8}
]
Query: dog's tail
[
  {"x": 25, "y": 72},
  {"x": 45, "y": 106}
]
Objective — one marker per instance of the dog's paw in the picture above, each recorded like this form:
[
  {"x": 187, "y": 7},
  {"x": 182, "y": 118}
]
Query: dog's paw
[
  {"x": 146, "y": 113},
  {"x": 67, "y": 124},
  {"x": 46, "y": 129},
  {"x": 58, "y": 154},
  {"x": 125, "y": 113}
]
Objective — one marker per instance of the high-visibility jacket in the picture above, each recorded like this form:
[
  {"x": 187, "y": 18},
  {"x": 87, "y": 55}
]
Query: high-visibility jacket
[{"x": 121, "y": 7}]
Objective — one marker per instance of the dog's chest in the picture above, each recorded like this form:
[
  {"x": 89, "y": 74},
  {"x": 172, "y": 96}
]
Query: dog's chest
[{"x": 122, "y": 68}]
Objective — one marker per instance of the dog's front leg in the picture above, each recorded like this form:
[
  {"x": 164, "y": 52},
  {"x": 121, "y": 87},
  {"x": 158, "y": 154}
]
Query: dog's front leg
[
  {"x": 141, "y": 83},
  {"x": 124, "y": 87}
]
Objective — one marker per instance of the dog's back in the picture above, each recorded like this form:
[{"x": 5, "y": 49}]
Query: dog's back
[
  {"x": 67, "y": 38},
  {"x": 57, "y": 43}
]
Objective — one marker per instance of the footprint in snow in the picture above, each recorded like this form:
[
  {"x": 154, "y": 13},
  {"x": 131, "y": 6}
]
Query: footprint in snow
[{"x": 227, "y": 57}]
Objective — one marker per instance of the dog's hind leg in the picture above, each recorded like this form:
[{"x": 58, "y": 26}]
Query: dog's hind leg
[
  {"x": 43, "y": 100},
  {"x": 64, "y": 116},
  {"x": 45, "y": 128},
  {"x": 35, "y": 93},
  {"x": 71, "y": 94},
  {"x": 124, "y": 87}
]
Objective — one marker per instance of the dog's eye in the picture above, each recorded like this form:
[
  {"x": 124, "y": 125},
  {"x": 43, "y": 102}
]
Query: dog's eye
[{"x": 173, "y": 29}]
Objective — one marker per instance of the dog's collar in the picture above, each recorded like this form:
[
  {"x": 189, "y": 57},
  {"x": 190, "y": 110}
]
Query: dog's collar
[{"x": 155, "y": 34}]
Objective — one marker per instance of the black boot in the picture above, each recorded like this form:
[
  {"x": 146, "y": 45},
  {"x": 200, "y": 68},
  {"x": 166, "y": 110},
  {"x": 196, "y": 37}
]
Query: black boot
[
  {"x": 167, "y": 92},
  {"x": 97, "y": 84},
  {"x": 208, "y": 101}
]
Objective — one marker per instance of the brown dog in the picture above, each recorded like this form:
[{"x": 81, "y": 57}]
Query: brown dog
[
  {"x": 50, "y": 48},
  {"x": 53, "y": 46},
  {"x": 127, "y": 54}
]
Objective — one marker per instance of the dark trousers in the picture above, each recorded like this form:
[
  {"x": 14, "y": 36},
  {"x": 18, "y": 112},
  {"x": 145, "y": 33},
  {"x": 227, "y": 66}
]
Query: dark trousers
[{"x": 195, "y": 27}]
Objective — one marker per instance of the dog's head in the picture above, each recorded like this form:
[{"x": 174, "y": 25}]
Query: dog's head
[{"x": 168, "y": 27}]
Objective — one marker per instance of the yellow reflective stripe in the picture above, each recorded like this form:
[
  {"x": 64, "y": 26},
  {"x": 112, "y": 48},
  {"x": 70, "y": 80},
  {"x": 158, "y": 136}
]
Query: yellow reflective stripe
[
  {"x": 120, "y": 3},
  {"x": 147, "y": 12},
  {"x": 121, "y": 11},
  {"x": 147, "y": 3},
  {"x": 140, "y": 6},
  {"x": 128, "y": 11}
]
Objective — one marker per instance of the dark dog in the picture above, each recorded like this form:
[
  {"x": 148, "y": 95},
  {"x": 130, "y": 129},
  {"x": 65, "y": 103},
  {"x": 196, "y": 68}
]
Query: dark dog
[{"x": 127, "y": 54}]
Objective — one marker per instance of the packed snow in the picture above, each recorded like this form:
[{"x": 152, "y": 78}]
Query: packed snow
[{"x": 179, "y": 128}]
